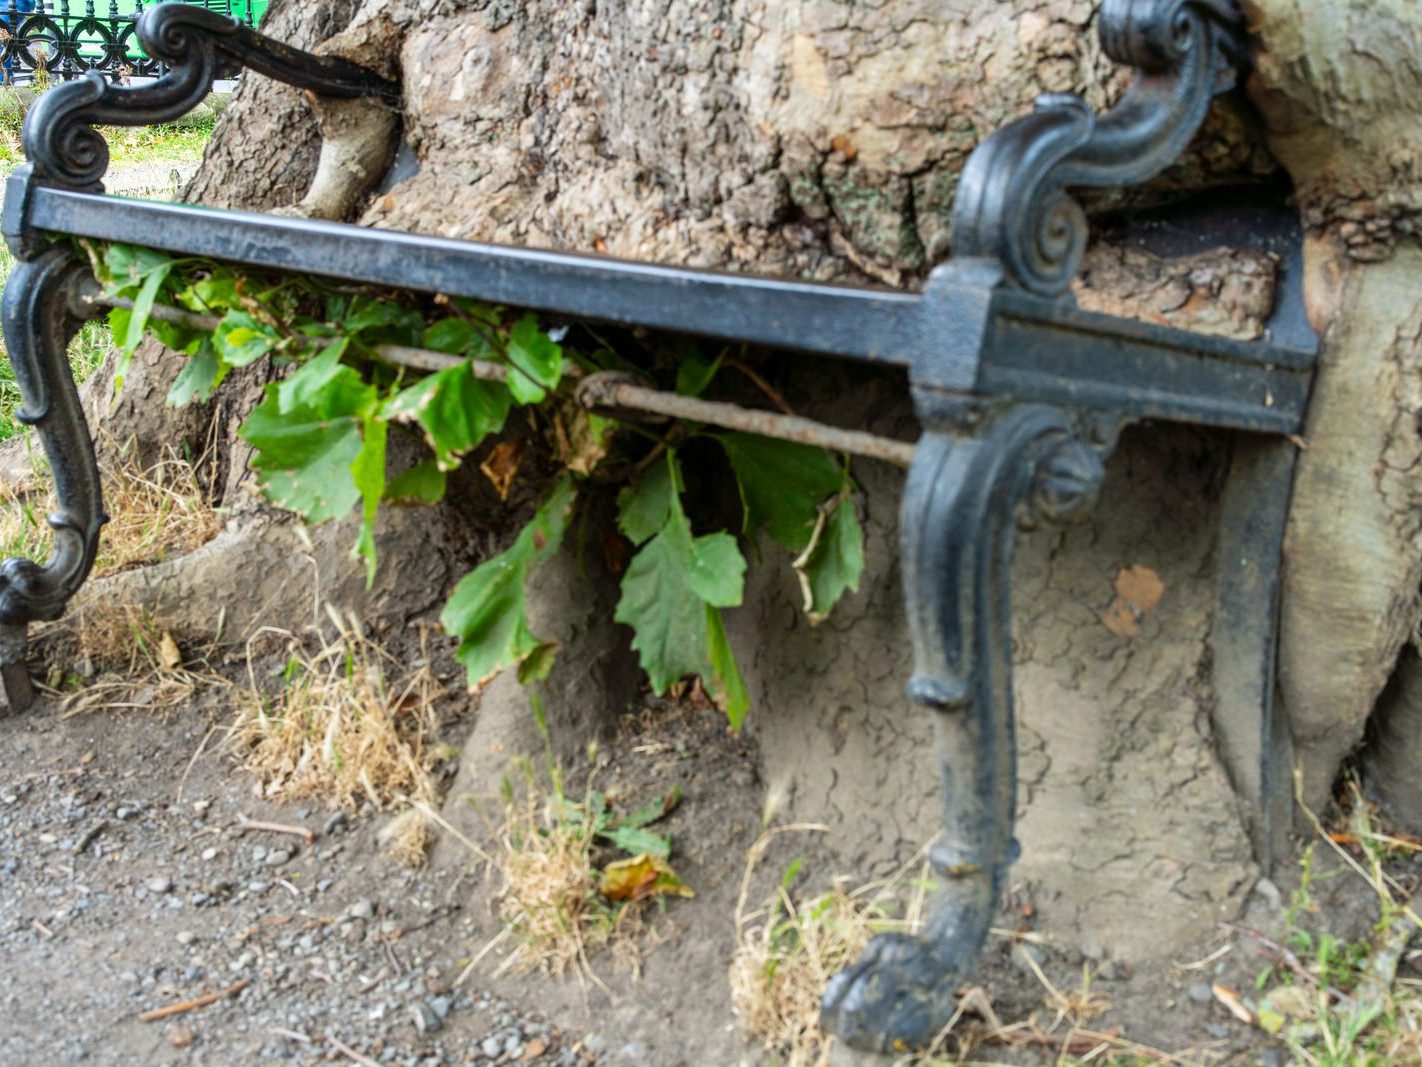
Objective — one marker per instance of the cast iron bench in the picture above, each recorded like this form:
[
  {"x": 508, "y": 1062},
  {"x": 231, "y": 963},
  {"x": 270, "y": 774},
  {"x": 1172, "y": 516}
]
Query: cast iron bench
[{"x": 1021, "y": 396}]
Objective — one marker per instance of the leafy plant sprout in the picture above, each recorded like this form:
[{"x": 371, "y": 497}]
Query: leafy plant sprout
[{"x": 321, "y": 435}]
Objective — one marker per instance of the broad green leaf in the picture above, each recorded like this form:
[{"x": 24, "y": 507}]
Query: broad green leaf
[
  {"x": 537, "y": 361},
  {"x": 240, "y": 339},
  {"x": 636, "y": 841},
  {"x": 305, "y": 455},
  {"x": 129, "y": 265},
  {"x": 216, "y": 292},
  {"x": 454, "y": 337},
  {"x": 643, "y": 506},
  {"x": 303, "y": 384},
  {"x": 486, "y": 609},
  {"x": 368, "y": 471},
  {"x": 717, "y": 571},
  {"x": 834, "y": 563},
  {"x": 424, "y": 483},
  {"x": 382, "y": 317},
  {"x": 201, "y": 374},
  {"x": 781, "y": 485},
  {"x": 726, "y": 683},
  {"x": 664, "y": 598},
  {"x": 455, "y": 409}
]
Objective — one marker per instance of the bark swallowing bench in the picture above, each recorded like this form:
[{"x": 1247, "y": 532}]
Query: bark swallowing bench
[{"x": 1021, "y": 396}]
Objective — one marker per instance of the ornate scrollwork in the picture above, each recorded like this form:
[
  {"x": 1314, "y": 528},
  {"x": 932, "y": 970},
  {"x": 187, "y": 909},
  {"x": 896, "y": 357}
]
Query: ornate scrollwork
[
  {"x": 39, "y": 321},
  {"x": 198, "y": 46},
  {"x": 965, "y": 498},
  {"x": 1012, "y": 203}
]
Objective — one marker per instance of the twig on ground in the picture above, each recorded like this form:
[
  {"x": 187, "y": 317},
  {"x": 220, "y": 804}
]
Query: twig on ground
[
  {"x": 43, "y": 930},
  {"x": 293, "y": 1035},
  {"x": 357, "y": 1057},
  {"x": 244, "y": 824},
  {"x": 90, "y": 836},
  {"x": 193, "y": 1005}
]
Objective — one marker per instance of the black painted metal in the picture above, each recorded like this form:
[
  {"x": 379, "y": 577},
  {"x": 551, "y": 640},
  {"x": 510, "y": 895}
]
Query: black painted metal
[{"x": 1021, "y": 394}]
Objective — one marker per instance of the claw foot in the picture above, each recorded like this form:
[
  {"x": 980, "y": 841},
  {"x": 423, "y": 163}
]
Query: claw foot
[{"x": 895, "y": 999}]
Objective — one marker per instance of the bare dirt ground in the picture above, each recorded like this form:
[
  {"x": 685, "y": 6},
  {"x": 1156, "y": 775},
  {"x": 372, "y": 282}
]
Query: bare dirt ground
[{"x": 129, "y": 883}]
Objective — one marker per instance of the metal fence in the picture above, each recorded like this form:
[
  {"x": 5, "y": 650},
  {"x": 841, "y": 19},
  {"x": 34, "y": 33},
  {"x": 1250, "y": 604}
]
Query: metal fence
[{"x": 61, "y": 39}]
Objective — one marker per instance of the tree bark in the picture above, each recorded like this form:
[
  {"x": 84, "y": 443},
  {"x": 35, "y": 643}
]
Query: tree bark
[{"x": 823, "y": 140}]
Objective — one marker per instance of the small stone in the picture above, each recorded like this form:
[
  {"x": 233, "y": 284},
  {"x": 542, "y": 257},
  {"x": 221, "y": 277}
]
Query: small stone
[
  {"x": 323, "y": 885},
  {"x": 535, "y": 1048},
  {"x": 334, "y": 823},
  {"x": 427, "y": 1020},
  {"x": 181, "y": 1036},
  {"x": 440, "y": 1006},
  {"x": 160, "y": 884},
  {"x": 259, "y": 853},
  {"x": 201, "y": 806},
  {"x": 186, "y": 937},
  {"x": 1200, "y": 993},
  {"x": 361, "y": 909},
  {"x": 257, "y": 887},
  {"x": 209, "y": 854},
  {"x": 492, "y": 1048},
  {"x": 1270, "y": 892},
  {"x": 1217, "y": 1030},
  {"x": 277, "y": 856}
]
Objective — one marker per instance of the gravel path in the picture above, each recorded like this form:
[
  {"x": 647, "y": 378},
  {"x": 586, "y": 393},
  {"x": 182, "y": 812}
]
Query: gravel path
[{"x": 121, "y": 895}]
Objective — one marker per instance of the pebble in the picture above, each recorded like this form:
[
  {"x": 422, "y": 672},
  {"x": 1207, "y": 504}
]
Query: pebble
[
  {"x": 336, "y": 822},
  {"x": 160, "y": 884},
  {"x": 186, "y": 937},
  {"x": 427, "y": 1020},
  {"x": 1217, "y": 1031},
  {"x": 492, "y": 1048},
  {"x": 277, "y": 856},
  {"x": 440, "y": 1006},
  {"x": 209, "y": 854},
  {"x": 361, "y": 909},
  {"x": 1200, "y": 993}
]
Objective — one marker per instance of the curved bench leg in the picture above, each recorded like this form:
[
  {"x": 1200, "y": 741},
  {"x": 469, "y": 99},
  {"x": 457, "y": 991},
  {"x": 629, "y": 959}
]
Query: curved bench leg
[
  {"x": 967, "y": 494},
  {"x": 40, "y": 318}
]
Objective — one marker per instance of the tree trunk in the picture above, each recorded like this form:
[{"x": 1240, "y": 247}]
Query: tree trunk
[{"x": 823, "y": 140}]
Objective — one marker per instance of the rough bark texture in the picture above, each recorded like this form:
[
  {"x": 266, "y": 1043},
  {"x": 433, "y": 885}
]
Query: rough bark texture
[
  {"x": 1337, "y": 85},
  {"x": 822, "y": 139}
]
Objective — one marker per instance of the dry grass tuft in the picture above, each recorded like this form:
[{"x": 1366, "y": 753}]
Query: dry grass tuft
[
  {"x": 341, "y": 730},
  {"x": 156, "y": 513},
  {"x": 128, "y": 659},
  {"x": 787, "y": 951},
  {"x": 549, "y": 897}
]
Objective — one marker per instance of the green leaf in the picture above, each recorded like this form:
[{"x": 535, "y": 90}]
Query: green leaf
[
  {"x": 669, "y": 592},
  {"x": 537, "y": 361},
  {"x": 241, "y": 339},
  {"x": 486, "y": 610},
  {"x": 636, "y": 841},
  {"x": 833, "y": 562},
  {"x": 781, "y": 485},
  {"x": 368, "y": 471},
  {"x": 130, "y": 265},
  {"x": 201, "y": 374},
  {"x": 424, "y": 483},
  {"x": 454, "y": 337},
  {"x": 643, "y": 506},
  {"x": 654, "y": 810},
  {"x": 217, "y": 292},
  {"x": 725, "y": 682},
  {"x": 304, "y": 455},
  {"x": 695, "y": 373},
  {"x": 383, "y": 319},
  {"x": 142, "y": 308},
  {"x": 455, "y": 409},
  {"x": 311, "y": 377}
]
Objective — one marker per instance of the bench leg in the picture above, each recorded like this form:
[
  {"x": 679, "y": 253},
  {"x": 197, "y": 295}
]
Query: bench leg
[
  {"x": 967, "y": 494},
  {"x": 40, "y": 317}
]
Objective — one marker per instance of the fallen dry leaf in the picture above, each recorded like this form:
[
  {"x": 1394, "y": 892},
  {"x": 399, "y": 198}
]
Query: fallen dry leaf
[
  {"x": 502, "y": 465},
  {"x": 1231, "y": 1000},
  {"x": 1138, "y": 593},
  {"x": 168, "y": 654},
  {"x": 641, "y": 876}
]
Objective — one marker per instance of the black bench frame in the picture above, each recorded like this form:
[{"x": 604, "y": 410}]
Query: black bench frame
[{"x": 1021, "y": 396}]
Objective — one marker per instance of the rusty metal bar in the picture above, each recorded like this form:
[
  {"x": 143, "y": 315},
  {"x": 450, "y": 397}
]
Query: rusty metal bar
[{"x": 605, "y": 391}]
